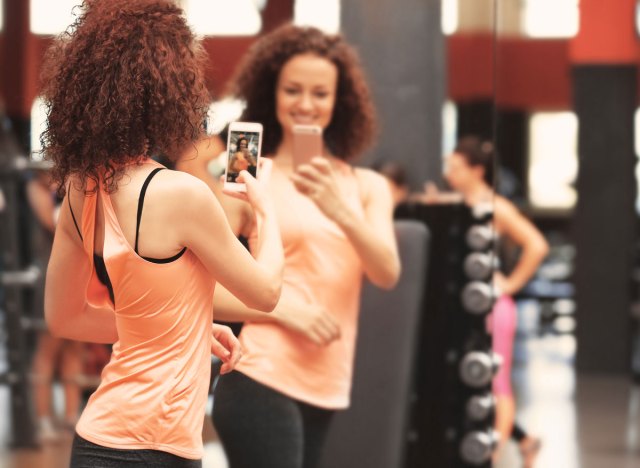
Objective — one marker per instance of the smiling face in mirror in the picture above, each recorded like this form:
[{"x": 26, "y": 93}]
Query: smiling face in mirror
[
  {"x": 461, "y": 175},
  {"x": 242, "y": 144},
  {"x": 306, "y": 92}
]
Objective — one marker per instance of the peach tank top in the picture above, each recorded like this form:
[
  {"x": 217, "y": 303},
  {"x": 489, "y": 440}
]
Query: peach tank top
[
  {"x": 321, "y": 267},
  {"x": 154, "y": 389}
]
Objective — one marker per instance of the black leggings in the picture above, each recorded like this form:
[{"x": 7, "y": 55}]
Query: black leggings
[
  {"x": 262, "y": 428},
  {"x": 85, "y": 454}
]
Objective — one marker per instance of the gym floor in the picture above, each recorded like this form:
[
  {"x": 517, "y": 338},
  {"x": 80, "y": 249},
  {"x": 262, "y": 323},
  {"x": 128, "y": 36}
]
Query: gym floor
[{"x": 584, "y": 421}]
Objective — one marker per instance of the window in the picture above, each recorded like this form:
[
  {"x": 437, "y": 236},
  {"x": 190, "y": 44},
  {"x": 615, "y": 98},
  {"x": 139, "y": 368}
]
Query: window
[
  {"x": 224, "y": 17},
  {"x": 323, "y": 14},
  {"x": 551, "y": 18},
  {"x": 38, "y": 125},
  {"x": 1, "y": 15},
  {"x": 638, "y": 17},
  {"x": 553, "y": 160},
  {"x": 51, "y": 17},
  {"x": 222, "y": 113},
  {"x": 450, "y": 16},
  {"x": 449, "y": 128}
]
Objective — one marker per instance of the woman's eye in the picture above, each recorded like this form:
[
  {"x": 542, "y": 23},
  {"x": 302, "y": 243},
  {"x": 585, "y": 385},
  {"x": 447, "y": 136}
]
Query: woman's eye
[
  {"x": 321, "y": 95},
  {"x": 291, "y": 91}
]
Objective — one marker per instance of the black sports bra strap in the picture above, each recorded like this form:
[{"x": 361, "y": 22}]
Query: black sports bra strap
[
  {"x": 143, "y": 191},
  {"x": 73, "y": 216}
]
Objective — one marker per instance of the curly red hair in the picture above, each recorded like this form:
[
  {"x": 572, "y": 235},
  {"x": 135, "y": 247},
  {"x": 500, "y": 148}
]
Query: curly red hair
[
  {"x": 353, "y": 125},
  {"x": 123, "y": 82}
]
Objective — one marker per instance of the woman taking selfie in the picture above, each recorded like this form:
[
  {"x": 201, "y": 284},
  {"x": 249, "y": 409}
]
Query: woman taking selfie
[
  {"x": 124, "y": 83},
  {"x": 336, "y": 224}
]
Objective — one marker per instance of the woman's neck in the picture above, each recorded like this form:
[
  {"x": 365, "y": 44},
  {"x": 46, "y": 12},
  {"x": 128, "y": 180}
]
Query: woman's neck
[{"x": 284, "y": 151}]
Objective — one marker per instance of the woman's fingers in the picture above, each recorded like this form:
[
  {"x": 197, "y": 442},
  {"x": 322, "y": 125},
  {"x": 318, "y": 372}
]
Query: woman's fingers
[
  {"x": 322, "y": 165},
  {"x": 264, "y": 170},
  {"x": 220, "y": 351},
  {"x": 250, "y": 185},
  {"x": 235, "y": 194},
  {"x": 226, "y": 346},
  {"x": 318, "y": 337},
  {"x": 328, "y": 330},
  {"x": 310, "y": 172},
  {"x": 304, "y": 185}
]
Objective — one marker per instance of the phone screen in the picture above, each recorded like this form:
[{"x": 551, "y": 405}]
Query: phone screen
[{"x": 243, "y": 152}]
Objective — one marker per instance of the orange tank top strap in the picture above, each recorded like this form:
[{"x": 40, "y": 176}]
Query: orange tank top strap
[{"x": 96, "y": 293}]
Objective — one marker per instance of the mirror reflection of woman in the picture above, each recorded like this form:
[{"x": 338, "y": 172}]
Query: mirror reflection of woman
[
  {"x": 241, "y": 160},
  {"x": 142, "y": 280},
  {"x": 469, "y": 171},
  {"x": 336, "y": 224}
]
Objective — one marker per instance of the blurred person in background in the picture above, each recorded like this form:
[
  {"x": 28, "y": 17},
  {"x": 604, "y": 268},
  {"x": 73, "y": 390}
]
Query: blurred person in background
[
  {"x": 336, "y": 224},
  {"x": 469, "y": 171},
  {"x": 142, "y": 280},
  {"x": 52, "y": 354}
]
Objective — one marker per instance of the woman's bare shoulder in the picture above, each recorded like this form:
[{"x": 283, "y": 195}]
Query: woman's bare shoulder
[
  {"x": 181, "y": 186},
  {"x": 504, "y": 207},
  {"x": 372, "y": 185}
]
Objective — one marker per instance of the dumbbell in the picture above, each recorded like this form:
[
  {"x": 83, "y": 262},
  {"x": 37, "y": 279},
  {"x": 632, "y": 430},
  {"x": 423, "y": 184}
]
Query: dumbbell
[
  {"x": 477, "y": 368},
  {"x": 480, "y": 407},
  {"x": 480, "y": 266},
  {"x": 477, "y": 447},
  {"x": 478, "y": 297},
  {"x": 480, "y": 237}
]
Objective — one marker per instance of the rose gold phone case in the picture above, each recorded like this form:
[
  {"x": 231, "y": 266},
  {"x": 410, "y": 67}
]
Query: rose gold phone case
[{"x": 307, "y": 143}]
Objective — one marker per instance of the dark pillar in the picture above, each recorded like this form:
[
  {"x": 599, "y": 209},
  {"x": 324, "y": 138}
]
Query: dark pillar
[
  {"x": 402, "y": 47},
  {"x": 511, "y": 143},
  {"x": 605, "y": 226},
  {"x": 476, "y": 118},
  {"x": 605, "y": 56},
  {"x": 17, "y": 66}
]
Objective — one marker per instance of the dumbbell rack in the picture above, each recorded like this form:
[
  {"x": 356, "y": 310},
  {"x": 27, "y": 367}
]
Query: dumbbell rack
[
  {"x": 452, "y": 417},
  {"x": 13, "y": 280}
]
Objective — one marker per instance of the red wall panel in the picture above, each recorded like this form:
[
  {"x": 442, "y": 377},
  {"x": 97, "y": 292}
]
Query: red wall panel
[
  {"x": 607, "y": 33},
  {"x": 533, "y": 74}
]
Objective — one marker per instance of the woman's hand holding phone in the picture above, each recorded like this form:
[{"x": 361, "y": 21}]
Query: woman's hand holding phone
[
  {"x": 317, "y": 181},
  {"x": 256, "y": 189}
]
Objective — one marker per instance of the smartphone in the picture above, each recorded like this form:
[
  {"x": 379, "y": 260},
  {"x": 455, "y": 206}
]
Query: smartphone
[
  {"x": 243, "y": 152},
  {"x": 307, "y": 143}
]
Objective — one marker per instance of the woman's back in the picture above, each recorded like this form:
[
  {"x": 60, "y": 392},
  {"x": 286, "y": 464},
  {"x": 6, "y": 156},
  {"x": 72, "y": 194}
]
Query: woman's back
[{"x": 159, "y": 371}]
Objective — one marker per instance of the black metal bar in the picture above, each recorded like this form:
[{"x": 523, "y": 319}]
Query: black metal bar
[{"x": 22, "y": 419}]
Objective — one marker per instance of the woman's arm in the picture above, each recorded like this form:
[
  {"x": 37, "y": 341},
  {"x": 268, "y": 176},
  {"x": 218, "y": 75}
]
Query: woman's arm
[
  {"x": 511, "y": 223},
  {"x": 203, "y": 227},
  {"x": 308, "y": 320},
  {"x": 195, "y": 161},
  {"x": 67, "y": 312},
  {"x": 374, "y": 237}
]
